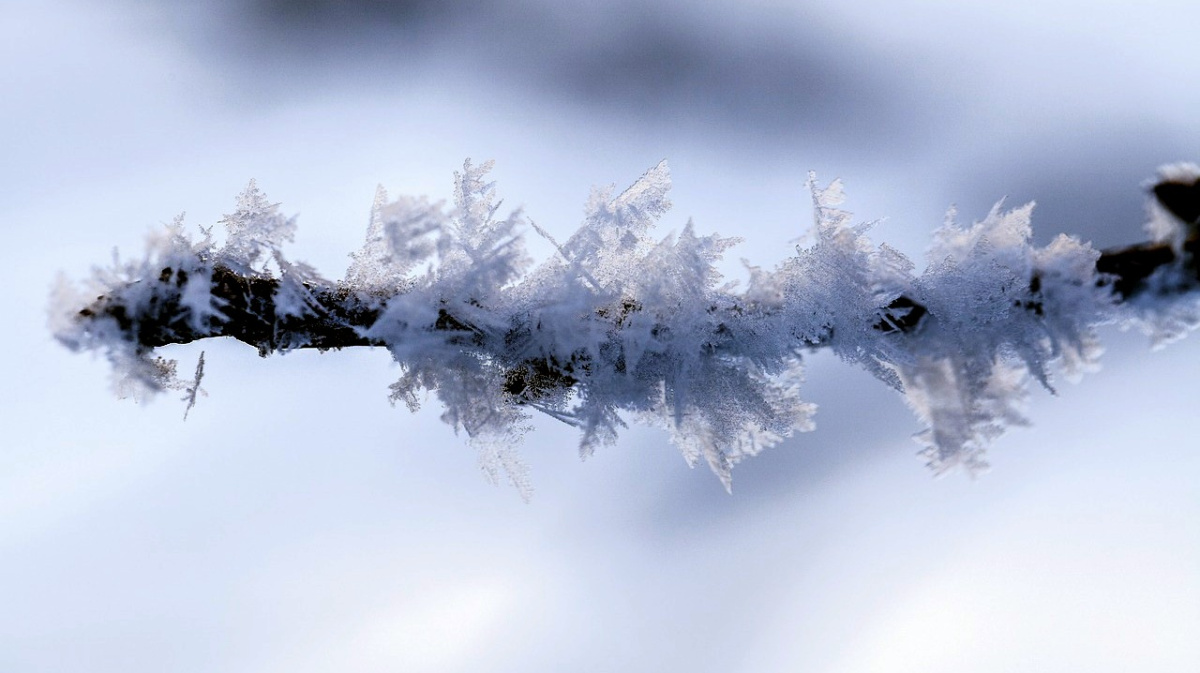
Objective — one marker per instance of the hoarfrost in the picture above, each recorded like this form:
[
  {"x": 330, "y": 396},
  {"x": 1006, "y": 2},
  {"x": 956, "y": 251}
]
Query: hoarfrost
[
  {"x": 179, "y": 266},
  {"x": 255, "y": 231},
  {"x": 999, "y": 310},
  {"x": 1164, "y": 320},
  {"x": 626, "y": 324},
  {"x": 192, "y": 388},
  {"x": 1162, "y": 224},
  {"x": 400, "y": 235},
  {"x": 294, "y": 296},
  {"x": 1167, "y": 313}
]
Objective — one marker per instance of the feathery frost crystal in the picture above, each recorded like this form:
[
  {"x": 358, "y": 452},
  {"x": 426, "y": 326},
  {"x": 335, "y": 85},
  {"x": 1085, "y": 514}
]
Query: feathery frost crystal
[{"x": 623, "y": 324}]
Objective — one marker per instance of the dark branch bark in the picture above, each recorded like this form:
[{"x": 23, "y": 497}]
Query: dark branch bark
[{"x": 248, "y": 304}]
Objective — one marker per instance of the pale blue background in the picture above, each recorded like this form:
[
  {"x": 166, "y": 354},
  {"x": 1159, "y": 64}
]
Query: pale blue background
[{"x": 296, "y": 523}]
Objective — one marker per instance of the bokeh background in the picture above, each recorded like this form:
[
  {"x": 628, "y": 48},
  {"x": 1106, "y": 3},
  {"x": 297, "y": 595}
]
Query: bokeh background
[{"x": 295, "y": 522}]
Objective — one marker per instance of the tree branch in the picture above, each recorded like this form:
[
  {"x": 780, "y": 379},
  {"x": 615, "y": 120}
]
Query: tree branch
[
  {"x": 341, "y": 316},
  {"x": 627, "y": 323}
]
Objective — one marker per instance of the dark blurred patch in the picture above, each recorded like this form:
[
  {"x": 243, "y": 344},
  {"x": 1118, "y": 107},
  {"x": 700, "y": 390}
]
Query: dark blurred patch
[
  {"x": 335, "y": 15},
  {"x": 1088, "y": 182},
  {"x": 268, "y": 27},
  {"x": 769, "y": 76},
  {"x": 314, "y": 42},
  {"x": 771, "y": 82},
  {"x": 1181, "y": 198}
]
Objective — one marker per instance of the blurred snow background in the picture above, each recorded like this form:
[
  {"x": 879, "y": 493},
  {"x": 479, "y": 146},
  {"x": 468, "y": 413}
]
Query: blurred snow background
[{"x": 295, "y": 522}]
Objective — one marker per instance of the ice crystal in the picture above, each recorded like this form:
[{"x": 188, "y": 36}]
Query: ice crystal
[
  {"x": 626, "y": 323},
  {"x": 401, "y": 234},
  {"x": 192, "y": 388},
  {"x": 999, "y": 310},
  {"x": 255, "y": 231}
]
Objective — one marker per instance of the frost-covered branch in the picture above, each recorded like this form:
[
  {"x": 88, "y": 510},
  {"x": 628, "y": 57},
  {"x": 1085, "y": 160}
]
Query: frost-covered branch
[{"x": 625, "y": 325}]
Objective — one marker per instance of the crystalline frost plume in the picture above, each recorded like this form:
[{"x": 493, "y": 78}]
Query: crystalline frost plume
[{"x": 623, "y": 324}]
